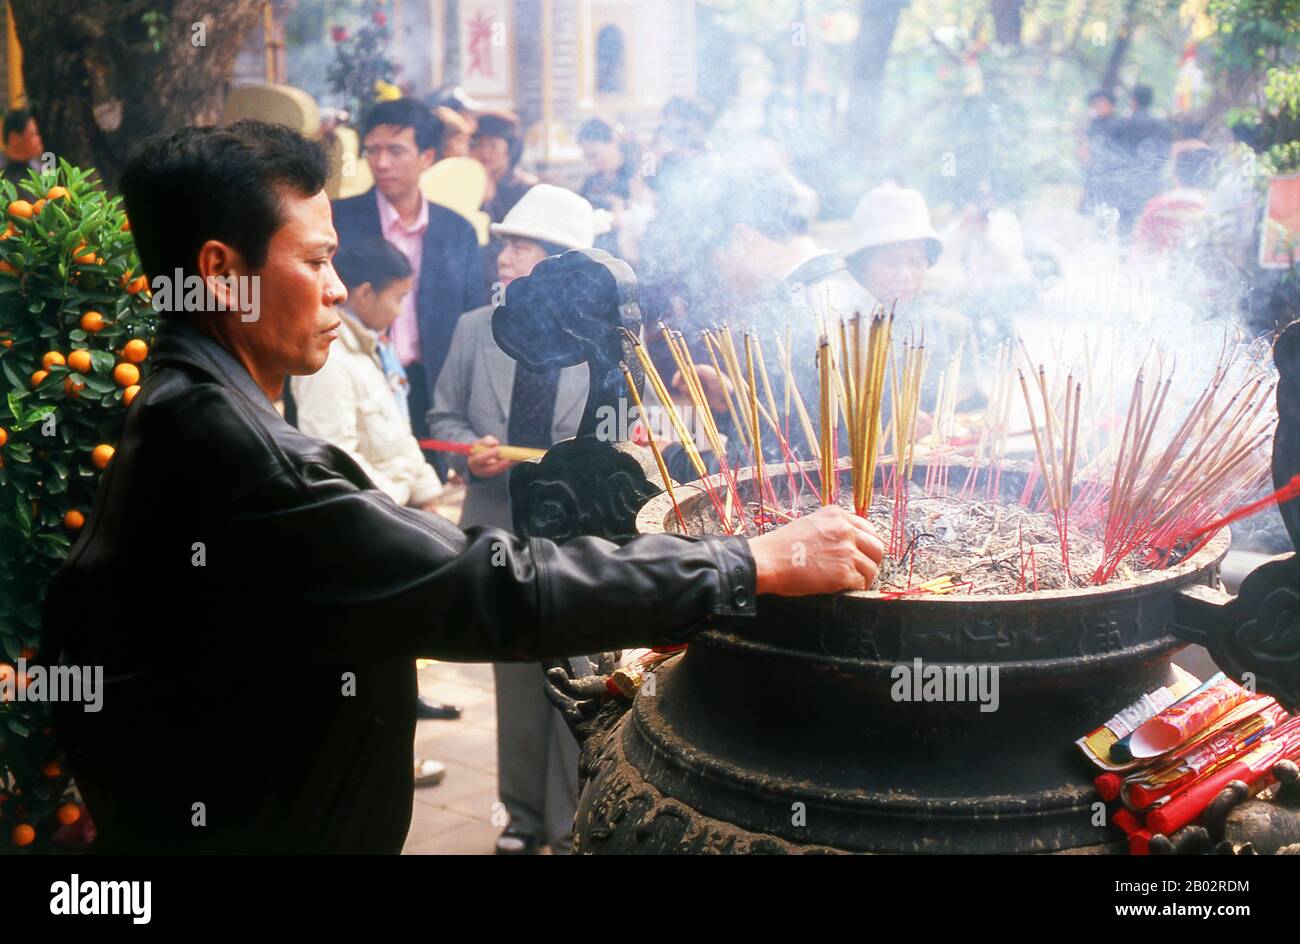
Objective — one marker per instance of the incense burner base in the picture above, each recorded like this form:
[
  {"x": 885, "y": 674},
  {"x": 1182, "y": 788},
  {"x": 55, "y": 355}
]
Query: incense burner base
[{"x": 681, "y": 773}]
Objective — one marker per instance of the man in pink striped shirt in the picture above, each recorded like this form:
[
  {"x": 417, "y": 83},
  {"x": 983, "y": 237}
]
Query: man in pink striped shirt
[{"x": 400, "y": 140}]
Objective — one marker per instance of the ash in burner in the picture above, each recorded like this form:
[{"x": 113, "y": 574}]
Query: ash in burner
[{"x": 981, "y": 547}]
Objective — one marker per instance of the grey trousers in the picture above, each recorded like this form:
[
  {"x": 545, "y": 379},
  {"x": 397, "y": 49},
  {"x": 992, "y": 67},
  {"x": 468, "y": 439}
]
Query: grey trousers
[{"x": 537, "y": 757}]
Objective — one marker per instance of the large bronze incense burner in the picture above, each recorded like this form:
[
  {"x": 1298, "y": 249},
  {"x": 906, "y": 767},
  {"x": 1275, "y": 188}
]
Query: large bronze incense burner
[
  {"x": 788, "y": 733},
  {"x": 792, "y": 737}
]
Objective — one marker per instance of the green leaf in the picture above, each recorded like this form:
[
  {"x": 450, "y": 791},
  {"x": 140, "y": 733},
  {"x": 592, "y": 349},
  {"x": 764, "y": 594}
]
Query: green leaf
[
  {"x": 23, "y": 512},
  {"x": 17, "y": 726},
  {"x": 102, "y": 361},
  {"x": 11, "y": 374}
]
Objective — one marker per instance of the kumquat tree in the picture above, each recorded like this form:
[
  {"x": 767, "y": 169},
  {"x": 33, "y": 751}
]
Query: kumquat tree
[{"x": 75, "y": 331}]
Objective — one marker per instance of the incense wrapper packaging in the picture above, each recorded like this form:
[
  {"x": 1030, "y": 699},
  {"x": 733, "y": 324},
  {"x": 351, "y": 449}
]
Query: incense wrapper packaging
[
  {"x": 1253, "y": 769},
  {"x": 1096, "y": 746},
  {"x": 1126, "y": 821},
  {"x": 1219, "y": 746},
  {"x": 1187, "y": 718},
  {"x": 627, "y": 679}
]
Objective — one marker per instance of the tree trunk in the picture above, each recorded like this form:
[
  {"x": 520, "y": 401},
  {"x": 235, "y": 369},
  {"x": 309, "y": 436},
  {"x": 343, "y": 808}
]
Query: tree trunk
[
  {"x": 1007, "y": 21},
  {"x": 1122, "y": 40},
  {"x": 100, "y": 82},
  {"x": 877, "y": 23}
]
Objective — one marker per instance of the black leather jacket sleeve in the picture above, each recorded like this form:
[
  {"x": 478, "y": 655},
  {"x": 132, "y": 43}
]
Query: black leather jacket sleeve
[{"x": 402, "y": 583}]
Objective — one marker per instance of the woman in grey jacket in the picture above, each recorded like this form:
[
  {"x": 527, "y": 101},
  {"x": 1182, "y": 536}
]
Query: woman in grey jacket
[{"x": 482, "y": 397}]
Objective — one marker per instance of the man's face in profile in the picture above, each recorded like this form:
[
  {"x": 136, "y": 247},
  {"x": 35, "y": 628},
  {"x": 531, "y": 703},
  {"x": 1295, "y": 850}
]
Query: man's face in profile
[{"x": 299, "y": 289}]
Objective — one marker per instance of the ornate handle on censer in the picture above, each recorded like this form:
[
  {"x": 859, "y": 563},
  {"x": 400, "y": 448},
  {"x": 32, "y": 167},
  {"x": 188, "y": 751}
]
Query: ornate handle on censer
[
  {"x": 574, "y": 308},
  {"x": 1258, "y": 631}
]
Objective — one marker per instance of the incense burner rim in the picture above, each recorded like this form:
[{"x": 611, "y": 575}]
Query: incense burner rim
[{"x": 654, "y": 516}]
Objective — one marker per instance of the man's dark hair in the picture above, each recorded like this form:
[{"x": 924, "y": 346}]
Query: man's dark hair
[
  {"x": 502, "y": 124},
  {"x": 1143, "y": 96},
  {"x": 405, "y": 113},
  {"x": 597, "y": 129},
  {"x": 717, "y": 198},
  {"x": 374, "y": 260},
  {"x": 16, "y": 122},
  {"x": 186, "y": 187},
  {"x": 1101, "y": 93}
]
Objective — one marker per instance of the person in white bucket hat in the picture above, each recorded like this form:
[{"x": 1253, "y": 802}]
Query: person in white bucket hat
[
  {"x": 551, "y": 216},
  {"x": 894, "y": 243},
  {"x": 893, "y": 248},
  {"x": 482, "y": 398}
]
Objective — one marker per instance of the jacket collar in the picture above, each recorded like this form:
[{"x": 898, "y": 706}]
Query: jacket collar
[
  {"x": 180, "y": 343},
  {"x": 355, "y": 336}
]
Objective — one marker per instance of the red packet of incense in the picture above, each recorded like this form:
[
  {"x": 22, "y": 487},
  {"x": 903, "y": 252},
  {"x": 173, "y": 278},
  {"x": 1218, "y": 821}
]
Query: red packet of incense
[
  {"x": 1186, "y": 719},
  {"x": 1253, "y": 769},
  {"x": 1227, "y": 738}
]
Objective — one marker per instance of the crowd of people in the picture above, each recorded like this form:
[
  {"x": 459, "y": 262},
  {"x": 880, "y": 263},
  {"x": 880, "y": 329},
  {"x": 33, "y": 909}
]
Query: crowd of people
[{"x": 712, "y": 238}]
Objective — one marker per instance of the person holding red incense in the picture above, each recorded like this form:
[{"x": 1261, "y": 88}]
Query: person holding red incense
[
  {"x": 483, "y": 397},
  {"x": 287, "y": 597}
]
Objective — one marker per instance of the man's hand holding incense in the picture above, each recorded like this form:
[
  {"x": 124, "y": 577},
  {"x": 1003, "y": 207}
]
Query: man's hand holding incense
[{"x": 827, "y": 551}]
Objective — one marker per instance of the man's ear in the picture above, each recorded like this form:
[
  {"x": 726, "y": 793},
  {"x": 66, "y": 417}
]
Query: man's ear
[
  {"x": 362, "y": 296},
  {"x": 427, "y": 158},
  {"x": 220, "y": 265}
]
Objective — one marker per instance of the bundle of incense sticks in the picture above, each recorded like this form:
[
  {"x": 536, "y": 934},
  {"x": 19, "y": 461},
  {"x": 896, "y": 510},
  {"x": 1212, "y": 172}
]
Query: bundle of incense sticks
[
  {"x": 860, "y": 385},
  {"x": 1212, "y": 452},
  {"x": 1057, "y": 476},
  {"x": 746, "y": 410},
  {"x": 945, "y": 421},
  {"x": 906, "y": 406},
  {"x": 513, "y": 453},
  {"x": 1254, "y": 768},
  {"x": 1225, "y": 741},
  {"x": 1152, "y": 488},
  {"x": 1164, "y": 793},
  {"x": 990, "y": 451},
  {"x": 685, "y": 437},
  {"x": 829, "y": 419}
]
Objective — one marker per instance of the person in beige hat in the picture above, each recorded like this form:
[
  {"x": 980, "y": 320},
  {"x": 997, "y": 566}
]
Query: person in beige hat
[{"x": 481, "y": 397}]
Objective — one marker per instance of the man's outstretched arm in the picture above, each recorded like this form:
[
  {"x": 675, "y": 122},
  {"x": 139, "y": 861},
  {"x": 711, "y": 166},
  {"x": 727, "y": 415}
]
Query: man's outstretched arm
[{"x": 347, "y": 570}]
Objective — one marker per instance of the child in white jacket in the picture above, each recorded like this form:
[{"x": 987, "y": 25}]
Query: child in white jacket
[{"x": 353, "y": 401}]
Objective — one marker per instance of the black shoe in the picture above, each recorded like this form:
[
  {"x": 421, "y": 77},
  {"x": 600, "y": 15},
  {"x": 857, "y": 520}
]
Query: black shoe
[{"x": 427, "y": 710}]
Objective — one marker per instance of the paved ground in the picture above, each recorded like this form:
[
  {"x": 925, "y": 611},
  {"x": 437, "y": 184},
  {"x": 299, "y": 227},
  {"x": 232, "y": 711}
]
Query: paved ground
[{"x": 456, "y": 815}]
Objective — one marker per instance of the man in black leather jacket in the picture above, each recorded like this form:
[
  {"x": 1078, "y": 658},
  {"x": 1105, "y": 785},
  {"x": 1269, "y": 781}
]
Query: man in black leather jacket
[{"x": 258, "y": 604}]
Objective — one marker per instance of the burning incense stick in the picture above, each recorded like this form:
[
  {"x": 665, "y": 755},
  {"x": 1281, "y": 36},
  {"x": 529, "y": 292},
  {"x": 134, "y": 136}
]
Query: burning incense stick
[{"x": 654, "y": 446}]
